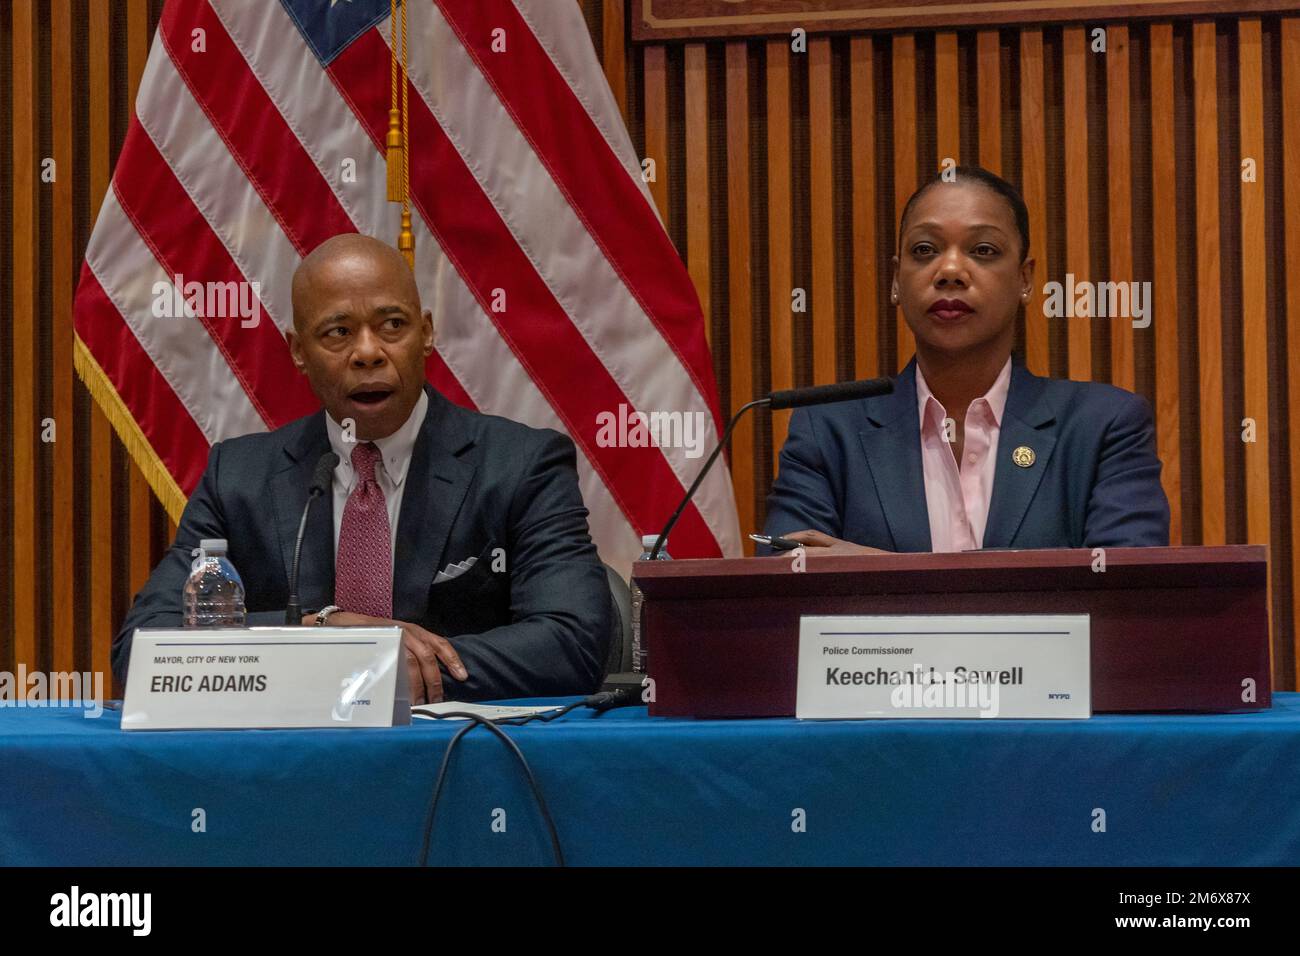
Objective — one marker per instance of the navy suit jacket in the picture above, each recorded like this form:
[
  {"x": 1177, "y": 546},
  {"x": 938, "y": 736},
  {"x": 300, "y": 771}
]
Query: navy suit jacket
[
  {"x": 476, "y": 483},
  {"x": 853, "y": 470}
]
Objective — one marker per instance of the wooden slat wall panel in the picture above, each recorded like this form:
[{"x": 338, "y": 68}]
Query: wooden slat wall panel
[
  {"x": 1290, "y": 56},
  {"x": 697, "y": 177},
  {"x": 821, "y": 128},
  {"x": 1208, "y": 280},
  {"x": 947, "y": 97},
  {"x": 63, "y": 596},
  {"x": 1120, "y": 193},
  {"x": 655, "y": 65},
  {"x": 739, "y": 288},
  {"x": 22, "y": 340},
  {"x": 875, "y": 105},
  {"x": 1074, "y": 81},
  {"x": 1254, "y": 287},
  {"x": 990, "y": 100},
  {"x": 1164, "y": 322},
  {"x": 1033, "y": 186},
  {"x": 141, "y": 504},
  {"x": 780, "y": 229},
  {"x": 906, "y": 126},
  {"x": 867, "y": 257},
  {"x": 103, "y": 553},
  {"x": 1254, "y": 304},
  {"x": 1054, "y": 89},
  {"x": 614, "y": 54}
]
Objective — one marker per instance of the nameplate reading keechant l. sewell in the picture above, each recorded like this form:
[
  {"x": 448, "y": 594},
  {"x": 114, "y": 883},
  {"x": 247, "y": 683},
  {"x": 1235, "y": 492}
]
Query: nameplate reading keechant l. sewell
[{"x": 939, "y": 665}]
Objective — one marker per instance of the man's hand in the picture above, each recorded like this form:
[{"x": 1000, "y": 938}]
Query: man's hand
[
  {"x": 826, "y": 545},
  {"x": 424, "y": 650}
]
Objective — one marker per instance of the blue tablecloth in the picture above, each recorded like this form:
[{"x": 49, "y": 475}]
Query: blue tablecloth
[{"x": 625, "y": 788}]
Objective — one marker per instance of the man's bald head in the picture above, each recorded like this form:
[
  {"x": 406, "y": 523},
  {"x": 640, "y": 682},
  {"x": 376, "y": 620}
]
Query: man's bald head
[
  {"x": 345, "y": 253},
  {"x": 359, "y": 334}
]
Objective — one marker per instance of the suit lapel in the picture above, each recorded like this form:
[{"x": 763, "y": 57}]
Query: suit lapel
[
  {"x": 288, "y": 496},
  {"x": 436, "y": 483},
  {"x": 1027, "y": 422},
  {"x": 892, "y": 444}
]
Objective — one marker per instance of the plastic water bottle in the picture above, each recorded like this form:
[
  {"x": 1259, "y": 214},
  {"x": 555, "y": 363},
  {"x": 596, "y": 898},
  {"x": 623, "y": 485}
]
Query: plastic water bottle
[
  {"x": 638, "y": 645},
  {"x": 214, "y": 591}
]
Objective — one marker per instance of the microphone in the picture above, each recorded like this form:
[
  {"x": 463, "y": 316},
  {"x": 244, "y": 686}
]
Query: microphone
[
  {"x": 320, "y": 482},
  {"x": 786, "y": 398},
  {"x": 823, "y": 394}
]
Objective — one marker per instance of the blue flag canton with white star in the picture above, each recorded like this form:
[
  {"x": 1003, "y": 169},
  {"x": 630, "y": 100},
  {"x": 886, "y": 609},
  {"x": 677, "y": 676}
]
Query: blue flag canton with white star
[{"x": 330, "y": 25}]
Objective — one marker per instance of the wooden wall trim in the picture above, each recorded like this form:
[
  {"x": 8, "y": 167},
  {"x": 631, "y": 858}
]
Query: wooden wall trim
[{"x": 661, "y": 20}]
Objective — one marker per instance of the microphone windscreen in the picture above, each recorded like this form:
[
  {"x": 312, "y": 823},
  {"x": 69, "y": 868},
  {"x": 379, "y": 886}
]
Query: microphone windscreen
[
  {"x": 320, "y": 478},
  {"x": 823, "y": 394}
]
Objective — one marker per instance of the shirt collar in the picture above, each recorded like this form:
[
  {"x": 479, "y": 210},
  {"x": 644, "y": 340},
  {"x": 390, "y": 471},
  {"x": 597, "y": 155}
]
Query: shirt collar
[
  {"x": 395, "y": 450},
  {"x": 995, "y": 397}
]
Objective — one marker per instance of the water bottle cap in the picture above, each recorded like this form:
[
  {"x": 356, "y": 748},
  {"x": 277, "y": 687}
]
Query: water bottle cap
[
  {"x": 213, "y": 545},
  {"x": 648, "y": 541}
]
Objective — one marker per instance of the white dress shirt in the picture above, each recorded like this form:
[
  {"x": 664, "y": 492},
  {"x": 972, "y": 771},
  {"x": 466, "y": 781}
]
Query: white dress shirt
[{"x": 390, "y": 471}]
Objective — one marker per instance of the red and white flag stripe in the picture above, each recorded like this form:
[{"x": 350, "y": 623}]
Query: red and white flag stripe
[{"x": 246, "y": 153}]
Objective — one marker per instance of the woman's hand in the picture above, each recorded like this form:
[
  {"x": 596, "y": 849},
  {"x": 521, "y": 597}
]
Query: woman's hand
[{"x": 826, "y": 545}]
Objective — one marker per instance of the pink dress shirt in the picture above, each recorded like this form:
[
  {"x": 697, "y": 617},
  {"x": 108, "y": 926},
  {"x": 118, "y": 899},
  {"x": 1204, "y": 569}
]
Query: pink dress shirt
[{"x": 957, "y": 498}]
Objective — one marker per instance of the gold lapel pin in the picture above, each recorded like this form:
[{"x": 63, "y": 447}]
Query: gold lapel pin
[{"x": 1023, "y": 456}]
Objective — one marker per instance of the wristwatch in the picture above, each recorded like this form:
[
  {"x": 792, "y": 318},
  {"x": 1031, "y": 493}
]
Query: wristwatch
[{"x": 324, "y": 613}]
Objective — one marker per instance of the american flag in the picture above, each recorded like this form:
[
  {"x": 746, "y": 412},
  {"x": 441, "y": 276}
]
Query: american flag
[{"x": 557, "y": 296}]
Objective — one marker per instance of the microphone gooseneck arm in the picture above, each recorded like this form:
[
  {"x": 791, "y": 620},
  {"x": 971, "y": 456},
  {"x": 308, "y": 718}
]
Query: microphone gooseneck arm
[
  {"x": 786, "y": 398},
  {"x": 663, "y": 535},
  {"x": 320, "y": 481},
  {"x": 293, "y": 610}
]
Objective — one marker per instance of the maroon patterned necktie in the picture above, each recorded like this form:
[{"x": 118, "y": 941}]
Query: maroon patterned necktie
[{"x": 363, "y": 579}]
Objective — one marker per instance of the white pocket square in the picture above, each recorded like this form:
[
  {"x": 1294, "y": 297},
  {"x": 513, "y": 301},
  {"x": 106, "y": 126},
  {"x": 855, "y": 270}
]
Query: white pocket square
[{"x": 454, "y": 570}]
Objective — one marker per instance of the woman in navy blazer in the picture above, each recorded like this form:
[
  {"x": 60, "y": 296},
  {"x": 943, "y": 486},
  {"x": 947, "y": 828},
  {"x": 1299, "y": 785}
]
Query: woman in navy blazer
[{"x": 1073, "y": 464}]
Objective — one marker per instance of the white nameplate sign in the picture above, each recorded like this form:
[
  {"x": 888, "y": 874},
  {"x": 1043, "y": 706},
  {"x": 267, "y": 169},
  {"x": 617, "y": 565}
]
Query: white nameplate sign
[
  {"x": 266, "y": 677},
  {"x": 938, "y": 665}
]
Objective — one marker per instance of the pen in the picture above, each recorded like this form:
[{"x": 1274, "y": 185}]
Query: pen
[{"x": 775, "y": 541}]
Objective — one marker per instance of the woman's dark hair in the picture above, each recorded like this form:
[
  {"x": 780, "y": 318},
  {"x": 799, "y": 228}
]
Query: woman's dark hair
[{"x": 992, "y": 181}]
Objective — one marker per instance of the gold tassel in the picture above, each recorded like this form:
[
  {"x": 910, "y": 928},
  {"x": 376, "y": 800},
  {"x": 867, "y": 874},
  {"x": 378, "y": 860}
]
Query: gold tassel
[
  {"x": 394, "y": 145},
  {"x": 395, "y": 151},
  {"x": 406, "y": 241}
]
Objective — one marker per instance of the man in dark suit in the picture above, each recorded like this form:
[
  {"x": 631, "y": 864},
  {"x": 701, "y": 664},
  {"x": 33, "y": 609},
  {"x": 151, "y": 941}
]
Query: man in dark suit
[
  {"x": 971, "y": 450},
  {"x": 422, "y": 486}
]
